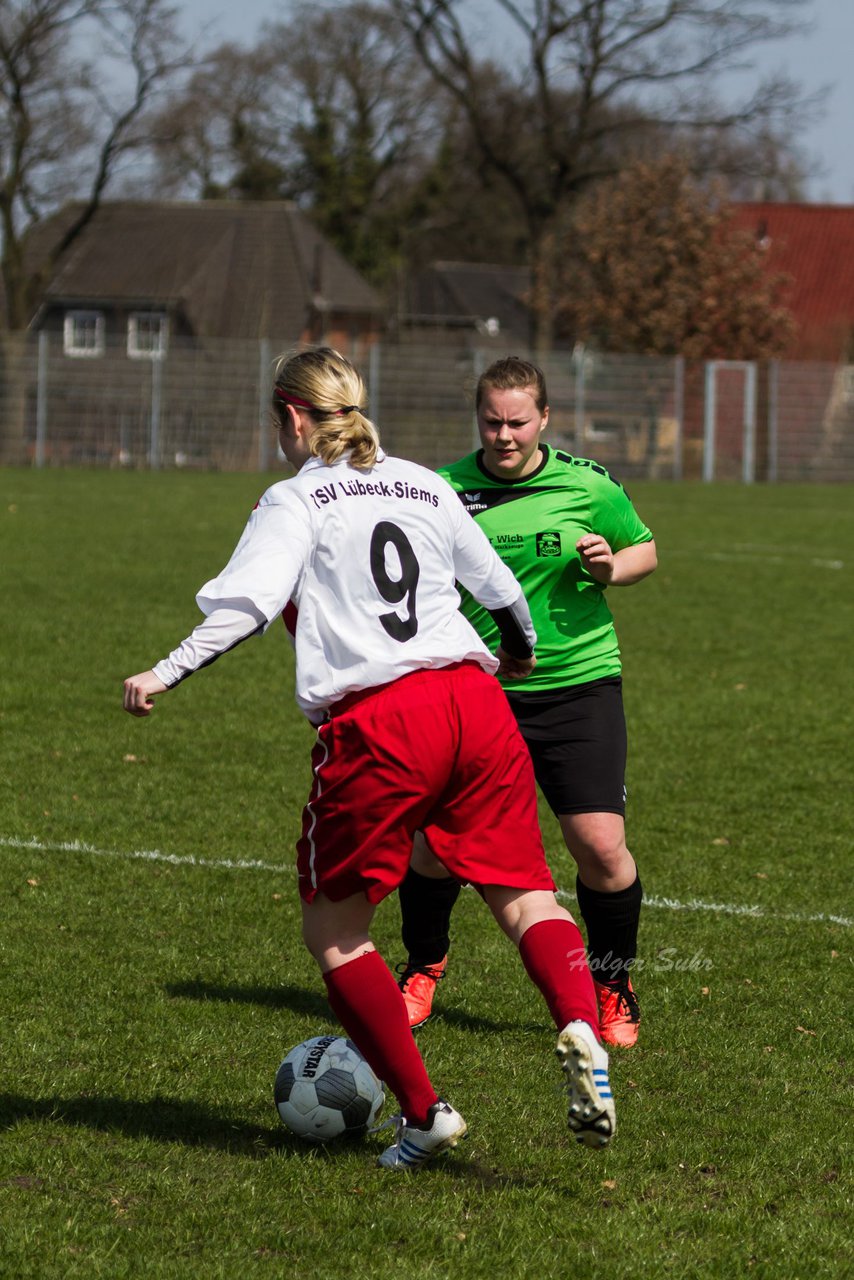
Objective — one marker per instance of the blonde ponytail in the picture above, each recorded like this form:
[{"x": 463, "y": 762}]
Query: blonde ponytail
[{"x": 330, "y": 389}]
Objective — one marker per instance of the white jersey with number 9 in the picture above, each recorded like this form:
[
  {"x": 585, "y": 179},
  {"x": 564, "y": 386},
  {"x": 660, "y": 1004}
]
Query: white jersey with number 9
[{"x": 369, "y": 559}]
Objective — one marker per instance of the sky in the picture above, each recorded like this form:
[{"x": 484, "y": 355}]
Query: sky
[{"x": 818, "y": 60}]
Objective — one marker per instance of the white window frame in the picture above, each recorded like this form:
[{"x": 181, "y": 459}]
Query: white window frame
[
  {"x": 71, "y": 334},
  {"x": 135, "y": 352}
]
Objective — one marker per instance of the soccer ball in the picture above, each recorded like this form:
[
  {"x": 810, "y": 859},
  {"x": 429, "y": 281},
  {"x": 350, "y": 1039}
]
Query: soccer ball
[{"x": 325, "y": 1088}]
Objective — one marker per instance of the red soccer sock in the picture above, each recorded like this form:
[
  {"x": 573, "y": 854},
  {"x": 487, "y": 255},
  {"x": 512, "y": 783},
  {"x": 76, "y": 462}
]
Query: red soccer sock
[
  {"x": 367, "y": 1002},
  {"x": 555, "y": 959}
]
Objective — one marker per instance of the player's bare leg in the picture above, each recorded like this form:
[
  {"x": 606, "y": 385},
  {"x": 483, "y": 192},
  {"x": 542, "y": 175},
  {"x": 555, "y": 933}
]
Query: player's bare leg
[
  {"x": 337, "y": 932},
  {"x": 597, "y": 842},
  {"x": 424, "y": 862}
]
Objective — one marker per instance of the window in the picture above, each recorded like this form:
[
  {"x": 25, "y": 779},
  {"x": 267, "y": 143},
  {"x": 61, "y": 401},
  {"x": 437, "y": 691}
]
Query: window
[
  {"x": 83, "y": 333},
  {"x": 147, "y": 333}
]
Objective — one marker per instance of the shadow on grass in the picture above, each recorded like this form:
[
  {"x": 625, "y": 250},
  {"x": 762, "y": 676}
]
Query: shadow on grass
[
  {"x": 297, "y": 999},
  {"x": 164, "y": 1119},
  {"x": 170, "y": 1120},
  {"x": 474, "y": 1022},
  {"x": 466, "y": 1169},
  {"x": 313, "y": 1004}
]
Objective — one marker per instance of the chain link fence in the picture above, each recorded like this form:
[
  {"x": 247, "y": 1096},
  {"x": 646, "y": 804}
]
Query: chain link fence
[{"x": 205, "y": 404}]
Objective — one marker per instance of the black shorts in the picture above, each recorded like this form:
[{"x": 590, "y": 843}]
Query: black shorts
[{"x": 577, "y": 739}]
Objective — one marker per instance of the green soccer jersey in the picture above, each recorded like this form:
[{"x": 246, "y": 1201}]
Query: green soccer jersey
[{"x": 534, "y": 524}]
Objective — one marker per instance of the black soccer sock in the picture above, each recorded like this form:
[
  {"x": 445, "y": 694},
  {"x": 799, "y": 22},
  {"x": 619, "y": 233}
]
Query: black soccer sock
[
  {"x": 425, "y": 908},
  {"x": 612, "y": 921}
]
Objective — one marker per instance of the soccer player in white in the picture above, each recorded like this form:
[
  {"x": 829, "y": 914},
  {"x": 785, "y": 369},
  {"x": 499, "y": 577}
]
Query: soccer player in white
[{"x": 362, "y": 551}]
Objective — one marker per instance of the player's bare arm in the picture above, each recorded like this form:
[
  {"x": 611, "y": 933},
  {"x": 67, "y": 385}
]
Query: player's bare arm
[
  {"x": 616, "y": 568},
  {"x": 511, "y": 668},
  {"x": 139, "y": 691}
]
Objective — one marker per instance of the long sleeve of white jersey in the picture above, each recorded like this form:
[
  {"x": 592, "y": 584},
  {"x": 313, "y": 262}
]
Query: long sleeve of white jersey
[
  {"x": 221, "y": 631},
  {"x": 479, "y": 569},
  {"x": 366, "y": 563},
  {"x": 268, "y": 561},
  {"x": 251, "y": 591}
]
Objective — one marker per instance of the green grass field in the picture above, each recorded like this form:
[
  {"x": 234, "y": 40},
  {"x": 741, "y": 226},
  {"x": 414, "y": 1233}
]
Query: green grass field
[{"x": 152, "y": 980}]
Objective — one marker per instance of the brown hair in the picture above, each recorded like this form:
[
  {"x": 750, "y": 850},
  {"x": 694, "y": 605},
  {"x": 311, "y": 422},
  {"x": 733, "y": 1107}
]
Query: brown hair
[
  {"x": 511, "y": 373},
  {"x": 330, "y": 389}
]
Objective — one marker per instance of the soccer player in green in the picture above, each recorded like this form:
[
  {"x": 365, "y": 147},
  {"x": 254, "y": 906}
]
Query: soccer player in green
[{"x": 568, "y": 531}]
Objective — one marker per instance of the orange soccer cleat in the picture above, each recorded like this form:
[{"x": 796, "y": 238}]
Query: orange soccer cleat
[
  {"x": 418, "y": 985},
  {"x": 619, "y": 1014}
]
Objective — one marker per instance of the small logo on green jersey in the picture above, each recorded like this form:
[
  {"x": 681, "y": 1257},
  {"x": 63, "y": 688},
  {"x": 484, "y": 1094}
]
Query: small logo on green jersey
[{"x": 548, "y": 544}]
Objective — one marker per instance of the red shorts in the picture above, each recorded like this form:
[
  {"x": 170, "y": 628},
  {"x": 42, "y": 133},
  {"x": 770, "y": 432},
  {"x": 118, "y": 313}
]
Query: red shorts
[{"x": 436, "y": 751}]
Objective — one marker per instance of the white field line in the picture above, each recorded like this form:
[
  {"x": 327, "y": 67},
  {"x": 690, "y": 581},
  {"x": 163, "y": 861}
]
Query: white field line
[
  {"x": 143, "y": 855},
  {"x": 763, "y": 555},
  {"x": 241, "y": 864},
  {"x": 736, "y": 909}
]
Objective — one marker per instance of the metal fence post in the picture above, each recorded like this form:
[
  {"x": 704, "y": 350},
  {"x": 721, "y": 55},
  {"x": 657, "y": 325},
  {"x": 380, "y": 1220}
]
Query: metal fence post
[
  {"x": 773, "y": 420},
  {"x": 374, "y": 357},
  {"x": 679, "y": 414},
  {"x": 41, "y": 399},
  {"x": 264, "y": 393},
  {"x": 578, "y": 360},
  {"x": 478, "y": 362},
  {"x": 154, "y": 430},
  {"x": 748, "y": 458},
  {"x": 709, "y": 421}
]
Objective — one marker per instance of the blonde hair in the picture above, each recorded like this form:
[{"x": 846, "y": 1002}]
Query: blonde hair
[{"x": 328, "y": 387}]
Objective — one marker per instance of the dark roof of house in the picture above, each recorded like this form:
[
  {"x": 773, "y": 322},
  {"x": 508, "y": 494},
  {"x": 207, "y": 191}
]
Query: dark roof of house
[
  {"x": 474, "y": 295},
  {"x": 814, "y": 245},
  {"x": 235, "y": 270}
]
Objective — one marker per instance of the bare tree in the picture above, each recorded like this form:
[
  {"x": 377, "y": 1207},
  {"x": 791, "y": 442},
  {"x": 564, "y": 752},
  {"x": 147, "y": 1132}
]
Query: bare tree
[
  {"x": 760, "y": 166},
  {"x": 362, "y": 114},
  {"x": 75, "y": 78},
  {"x": 584, "y": 83},
  {"x": 219, "y": 135},
  {"x": 332, "y": 109}
]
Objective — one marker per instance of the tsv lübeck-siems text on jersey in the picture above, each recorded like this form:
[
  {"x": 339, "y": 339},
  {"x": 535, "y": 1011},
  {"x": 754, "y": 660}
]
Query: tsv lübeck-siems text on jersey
[{"x": 327, "y": 493}]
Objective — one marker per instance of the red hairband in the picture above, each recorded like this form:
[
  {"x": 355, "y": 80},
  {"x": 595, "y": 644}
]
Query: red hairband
[{"x": 306, "y": 404}]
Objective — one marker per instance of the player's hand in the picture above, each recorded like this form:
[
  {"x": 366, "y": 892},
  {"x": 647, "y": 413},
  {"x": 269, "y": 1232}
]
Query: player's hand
[
  {"x": 513, "y": 668},
  {"x": 596, "y": 556},
  {"x": 139, "y": 691}
]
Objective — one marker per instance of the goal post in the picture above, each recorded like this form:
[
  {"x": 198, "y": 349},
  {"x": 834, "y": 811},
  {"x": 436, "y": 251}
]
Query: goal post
[{"x": 711, "y": 441}]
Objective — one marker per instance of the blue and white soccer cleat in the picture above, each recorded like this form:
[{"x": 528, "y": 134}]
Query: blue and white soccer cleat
[
  {"x": 591, "y": 1114},
  {"x": 413, "y": 1147}
]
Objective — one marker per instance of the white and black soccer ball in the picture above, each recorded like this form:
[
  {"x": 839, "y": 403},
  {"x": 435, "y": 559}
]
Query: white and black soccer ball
[{"x": 325, "y": 1089}]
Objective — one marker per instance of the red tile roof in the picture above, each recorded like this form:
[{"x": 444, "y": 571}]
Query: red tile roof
[{"x": 814, "y": 245}]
